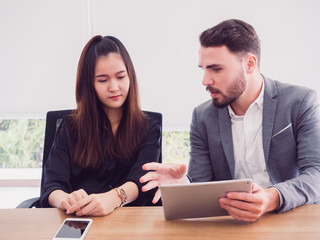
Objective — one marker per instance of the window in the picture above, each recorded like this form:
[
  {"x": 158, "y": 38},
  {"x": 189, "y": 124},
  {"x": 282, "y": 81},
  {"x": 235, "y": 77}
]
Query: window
[{"x": 21, "y": 144}]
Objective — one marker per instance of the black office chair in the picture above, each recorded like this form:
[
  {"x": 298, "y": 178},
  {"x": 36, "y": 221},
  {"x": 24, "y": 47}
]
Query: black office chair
[{"x": 53, "y": 120}]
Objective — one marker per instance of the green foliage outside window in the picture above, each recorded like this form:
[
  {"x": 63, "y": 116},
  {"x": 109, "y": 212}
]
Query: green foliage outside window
[
  {"x": 21, "y": 144},
  {"x": 175, "y": 147}
]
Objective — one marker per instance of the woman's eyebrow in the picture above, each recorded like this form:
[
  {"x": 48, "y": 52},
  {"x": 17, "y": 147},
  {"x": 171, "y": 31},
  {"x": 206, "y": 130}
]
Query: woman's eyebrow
[{"x": 106, "y": 75}]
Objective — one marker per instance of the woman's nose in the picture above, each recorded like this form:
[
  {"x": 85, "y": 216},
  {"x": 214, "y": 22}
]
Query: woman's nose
[{"x": 113, "y": 85}]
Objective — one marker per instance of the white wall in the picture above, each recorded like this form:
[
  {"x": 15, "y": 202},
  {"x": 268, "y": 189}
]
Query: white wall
[
  {"x": 41, "y": 41},
  {"x": 40, "y": 44}
]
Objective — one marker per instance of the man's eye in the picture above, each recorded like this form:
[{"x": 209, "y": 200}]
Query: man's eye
[{"x": 217, "y": 69}]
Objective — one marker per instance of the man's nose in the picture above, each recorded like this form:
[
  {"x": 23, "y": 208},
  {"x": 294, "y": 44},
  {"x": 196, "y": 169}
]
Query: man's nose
[{"x": 207, "y": 79}]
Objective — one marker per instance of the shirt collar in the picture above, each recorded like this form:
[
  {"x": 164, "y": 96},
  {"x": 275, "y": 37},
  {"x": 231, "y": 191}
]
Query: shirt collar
[{"x": 259, "y": 99}]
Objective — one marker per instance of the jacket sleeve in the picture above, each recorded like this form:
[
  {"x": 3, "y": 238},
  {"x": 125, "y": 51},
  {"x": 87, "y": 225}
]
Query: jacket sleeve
[
  {"x": 200, "y": 168},
  {"x": 305, "y": 187}
]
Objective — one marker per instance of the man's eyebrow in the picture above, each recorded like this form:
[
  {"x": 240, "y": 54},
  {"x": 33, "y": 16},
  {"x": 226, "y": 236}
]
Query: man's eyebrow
[{"x": 211, "y": 66}]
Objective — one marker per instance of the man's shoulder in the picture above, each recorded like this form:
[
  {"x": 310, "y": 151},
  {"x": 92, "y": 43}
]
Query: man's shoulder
[
  {"x": 206, "y": 111},
  {"x": 275, "y": 87},
  {"x": 289, "y": 96},
  {"x": 205, "y": 106}
]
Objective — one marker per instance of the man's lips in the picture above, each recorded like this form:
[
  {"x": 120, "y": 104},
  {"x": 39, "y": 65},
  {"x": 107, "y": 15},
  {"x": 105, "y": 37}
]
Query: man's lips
[{"x": 213, "y": 92}]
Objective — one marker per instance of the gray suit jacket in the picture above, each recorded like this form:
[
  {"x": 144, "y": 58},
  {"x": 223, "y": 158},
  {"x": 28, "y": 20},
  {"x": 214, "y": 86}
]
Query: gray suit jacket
[{"x": 291, "y": 143}]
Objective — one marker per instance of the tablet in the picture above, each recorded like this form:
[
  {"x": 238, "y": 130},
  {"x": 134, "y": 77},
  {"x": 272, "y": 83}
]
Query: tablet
[{"x": 196, "y": 200}]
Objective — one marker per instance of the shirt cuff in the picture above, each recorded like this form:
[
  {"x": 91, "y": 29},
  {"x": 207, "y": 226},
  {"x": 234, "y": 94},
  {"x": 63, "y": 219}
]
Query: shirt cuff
[
  {"x": 280, "y": 197},
  {"x": 189, "y": 178}
]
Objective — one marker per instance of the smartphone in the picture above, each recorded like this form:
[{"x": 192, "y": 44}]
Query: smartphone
[{"x": 73, "y": 228}]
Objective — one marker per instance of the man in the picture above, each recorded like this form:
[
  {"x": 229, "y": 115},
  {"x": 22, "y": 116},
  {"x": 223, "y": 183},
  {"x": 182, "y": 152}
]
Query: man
[{"x": 253, "y": 127}]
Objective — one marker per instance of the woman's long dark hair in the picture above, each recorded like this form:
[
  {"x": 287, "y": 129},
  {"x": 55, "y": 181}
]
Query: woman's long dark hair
[{"x": 89, "y": 120}]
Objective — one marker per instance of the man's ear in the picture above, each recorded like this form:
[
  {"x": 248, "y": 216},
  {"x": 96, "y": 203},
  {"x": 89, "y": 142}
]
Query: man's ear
[{"x": 251, "y": 63}]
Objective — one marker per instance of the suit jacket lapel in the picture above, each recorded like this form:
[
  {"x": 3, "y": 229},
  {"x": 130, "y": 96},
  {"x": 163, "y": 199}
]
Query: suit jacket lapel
[
  {"x": 269, "y": 113},
  {"x": 226, "y": 137}
]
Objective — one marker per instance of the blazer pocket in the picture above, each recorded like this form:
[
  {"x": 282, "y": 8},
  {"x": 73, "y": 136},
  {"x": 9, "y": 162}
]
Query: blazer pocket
[{"x": 283, "y": 132}]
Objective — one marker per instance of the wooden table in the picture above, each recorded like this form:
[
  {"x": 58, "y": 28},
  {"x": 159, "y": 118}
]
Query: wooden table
[{"x": 149, "y": 223}]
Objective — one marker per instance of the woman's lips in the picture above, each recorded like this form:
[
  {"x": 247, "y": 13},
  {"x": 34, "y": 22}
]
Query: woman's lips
[{"x": 116, "y": 97}]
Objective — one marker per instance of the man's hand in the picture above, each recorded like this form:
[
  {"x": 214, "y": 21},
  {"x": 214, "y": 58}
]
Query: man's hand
[
  {"x": 249, "y": 207},
  {"x": 162, "y": 174}
]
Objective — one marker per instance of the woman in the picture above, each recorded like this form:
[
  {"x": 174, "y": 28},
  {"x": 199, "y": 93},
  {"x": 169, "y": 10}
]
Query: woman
[{"x": 96, "y": 159}]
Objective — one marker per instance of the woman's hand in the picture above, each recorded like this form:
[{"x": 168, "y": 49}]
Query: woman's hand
[
  {"x": 63, "y": 200},
  {"x": 96, "y": 204},
  {"x": 82, "y": 204}
]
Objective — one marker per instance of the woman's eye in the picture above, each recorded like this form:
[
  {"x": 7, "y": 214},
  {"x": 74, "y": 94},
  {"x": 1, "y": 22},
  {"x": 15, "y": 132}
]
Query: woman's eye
[
  {"x": 121, "y": 77},
  {"x": 102, "y": 80}
]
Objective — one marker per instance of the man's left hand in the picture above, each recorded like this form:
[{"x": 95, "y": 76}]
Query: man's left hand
[{"x": 249, "y": 207}]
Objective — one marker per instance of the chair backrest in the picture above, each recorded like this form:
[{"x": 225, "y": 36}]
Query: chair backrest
[
  {"x": 158, "y": 117},
  {"x": 53, "y": 121}
]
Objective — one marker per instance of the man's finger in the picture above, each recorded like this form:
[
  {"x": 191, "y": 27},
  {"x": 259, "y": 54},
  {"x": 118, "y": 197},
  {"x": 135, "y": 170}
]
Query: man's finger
[
  {"x": 178, "y": 171},
  {"x": 150, "y": 185},
  {"x": 148, "y": 177},
  {"x": 255, "y": 187},
  {"x": 152, "y": 166},
  {"x": 157, "y": 196}
]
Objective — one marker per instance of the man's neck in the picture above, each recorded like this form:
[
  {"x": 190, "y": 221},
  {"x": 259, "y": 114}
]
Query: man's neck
[{"x": 251, "y": 93}]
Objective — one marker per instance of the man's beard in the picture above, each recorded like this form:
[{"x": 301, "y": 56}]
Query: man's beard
[{"x": 233, "y": 92}]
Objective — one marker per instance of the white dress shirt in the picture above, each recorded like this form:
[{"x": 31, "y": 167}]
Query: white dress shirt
[{"x": 247, "y": 144}]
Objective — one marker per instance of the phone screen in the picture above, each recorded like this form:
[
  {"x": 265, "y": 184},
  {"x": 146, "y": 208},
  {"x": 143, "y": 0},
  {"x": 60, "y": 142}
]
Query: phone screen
[{"x": 72, "y": 229}]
